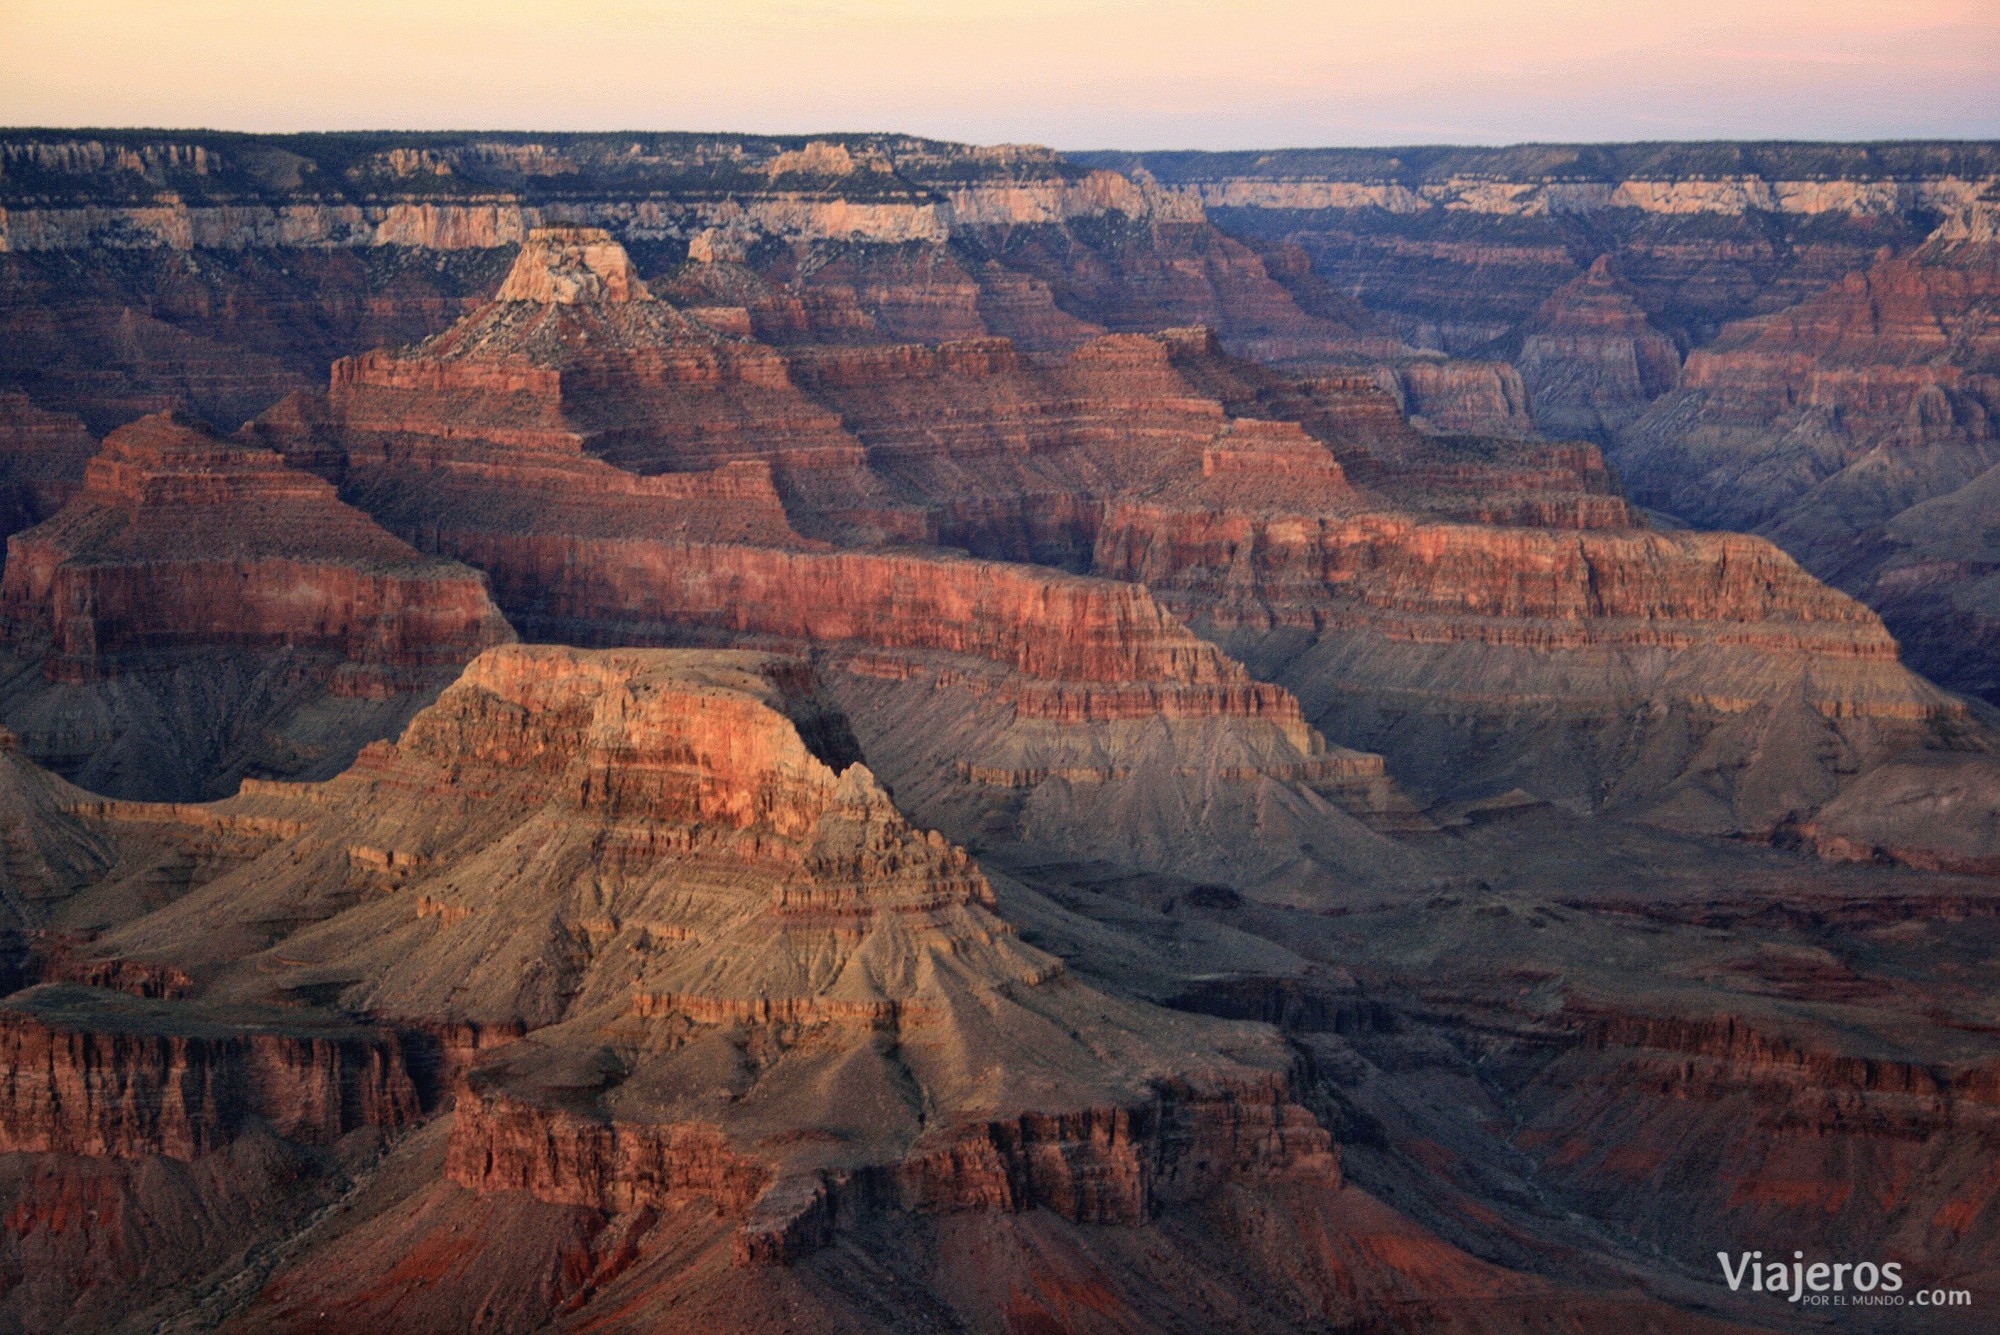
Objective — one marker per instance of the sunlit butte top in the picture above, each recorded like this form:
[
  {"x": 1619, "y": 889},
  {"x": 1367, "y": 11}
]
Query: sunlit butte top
[{"x": 1071, "y": 73}]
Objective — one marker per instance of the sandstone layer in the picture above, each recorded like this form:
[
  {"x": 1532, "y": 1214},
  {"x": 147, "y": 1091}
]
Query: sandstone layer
[
  {"x": 180, "y": 549},
  {"x": 1486, "y": 610}
]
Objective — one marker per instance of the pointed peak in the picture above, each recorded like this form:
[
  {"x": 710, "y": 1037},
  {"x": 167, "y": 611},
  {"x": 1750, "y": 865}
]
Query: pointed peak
[
  {"x": 570, "y": 266},
  {"x": 173, "y": 431}
]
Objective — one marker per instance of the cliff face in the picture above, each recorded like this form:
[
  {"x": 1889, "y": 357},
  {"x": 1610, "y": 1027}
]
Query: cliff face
[
  {"x": 98, "y": 1075},
  {"x": 924, "y": 242},
  {"x": 1301, "y": 520},
  {"x": 184, "y": 557},
  {"x": 1396, "y": 632},
  {"x": 1844, "y": 428},
  {"x": 992, "y": 934},
  {"x": 177, "y": 537},
  {"x": 1466, "y": 250},
  {"x": 468, "y": 445},
  {"x": 1590, "y": 359}
]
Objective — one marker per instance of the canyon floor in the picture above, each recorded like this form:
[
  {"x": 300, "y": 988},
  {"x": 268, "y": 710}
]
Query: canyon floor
[{"x": 727, "y": 734}]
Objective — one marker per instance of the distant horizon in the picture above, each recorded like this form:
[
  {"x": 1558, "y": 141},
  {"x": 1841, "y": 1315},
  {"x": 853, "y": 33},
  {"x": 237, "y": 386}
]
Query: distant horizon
[
  {"x": 842, "y": 134},
  {"x": 1076, "y": 75}
]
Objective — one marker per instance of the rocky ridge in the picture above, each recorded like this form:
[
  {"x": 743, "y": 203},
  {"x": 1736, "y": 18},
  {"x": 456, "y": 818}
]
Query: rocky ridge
[{"x": 179, "y": 551}]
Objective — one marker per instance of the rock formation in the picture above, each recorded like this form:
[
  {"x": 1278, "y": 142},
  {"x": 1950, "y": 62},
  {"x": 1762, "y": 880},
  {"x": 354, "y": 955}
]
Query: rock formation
[
  {"x": 1098, "y": 785},
  {"x": 1073, "y": 695},
  {"x": 1856, "y": 430},
  {"x": 42, "y": 457},
  {"x": 1396, "y": 610},
  {"x": 1590, "y": 359},
  {"x": 309, "y": 250},
  {"x": 741, "y": 1006},
  {"x": 179, "y": 546}
]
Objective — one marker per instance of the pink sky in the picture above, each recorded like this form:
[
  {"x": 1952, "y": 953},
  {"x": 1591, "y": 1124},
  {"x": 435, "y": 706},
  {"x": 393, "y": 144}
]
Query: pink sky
[{"x": 1075, "y": 74}]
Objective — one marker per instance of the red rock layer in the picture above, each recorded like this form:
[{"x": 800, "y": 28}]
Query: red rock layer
[
  {"x": 1856, "y": 429},
  {"x": 1089, "y": 649},
  {"x": 42, "y": 458},
  {"x": 701, "y": 883},
  {"x": 1172, "y": 274},
  {"x": 1660, "y": 1121},
  {"x": 100, "y": 1075},
  {"x": 1896, "y": 356},
  {"x": 1444, "y": 583},
  {"x": 568, "y": 365},
  {"x": 1112, "y": 1165},
  {"x": 1258, "y": 504},
  {"x": 1014, "y": 457},
  {"x": 177, "y": 538},
  {"x": 1590, "y": 359}
]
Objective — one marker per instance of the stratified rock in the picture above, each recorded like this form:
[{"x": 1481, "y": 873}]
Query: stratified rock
[
  {"x": 181, "y": 547},
  {"x": 103, "y": 1075},
  {"x": 1590, "y": 359},
  {"x": 42, "y": 457},
  {"x": 1485, "y": 609},
  {"x": 636, "y": 855},
  {"x": 177, "y": 537},
  {"x": 1463, "y": 396},
  {"x": 1829, "y": 424},
  {"x": 1069, "y": 697}
]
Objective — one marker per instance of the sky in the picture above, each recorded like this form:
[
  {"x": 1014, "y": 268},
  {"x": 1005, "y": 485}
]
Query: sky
[{"x": 1073, "y": 74}]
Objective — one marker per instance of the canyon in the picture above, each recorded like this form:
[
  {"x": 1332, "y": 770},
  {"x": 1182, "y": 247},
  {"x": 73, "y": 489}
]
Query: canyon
[{"x": 706, "y": 732}]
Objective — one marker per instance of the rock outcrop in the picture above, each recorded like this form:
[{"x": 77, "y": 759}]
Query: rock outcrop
[
  {"x": 701, "y": 884},
  {"x": 1590, "y": 360},
  {"x": 935, "y": 900},
  {"x": 1498, "y": 589},
  {"x": 102, "y": 1075},
  {"x": 1078, "y": 689},
  {"x": 1826, "y": 424},
  {"x": 177, "y": 537},
  {"x": 184, "y": 554}
]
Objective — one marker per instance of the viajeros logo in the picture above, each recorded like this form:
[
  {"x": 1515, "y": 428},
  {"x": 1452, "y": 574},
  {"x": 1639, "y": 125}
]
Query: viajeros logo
[{"x": 1832, "y": 1283}]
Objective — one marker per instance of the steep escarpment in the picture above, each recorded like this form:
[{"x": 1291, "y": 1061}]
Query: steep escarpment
[
  {"x": 1486, "y": 609},
  {"x": 1686, "y": 674},
  {"x": 100, "y": 1075},
  {"x": 1822, "y": 425},
  {"x": 976, "y": 908},
  {"x": 1465, "y": 249},
  {"x": 855, "y": 239},
  {"x": 1704, "y": 232},
  {"x": 748, "y": 1024},
  {"x": 1689, "y": 675},
  {"x": 1634, "y": 1112},
  {"x": 179, "y": 547},
  {"x": 1696, "y": 1057},
  {"x": 178, "y": 536},
  {"x": 575, "y": 358}
]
